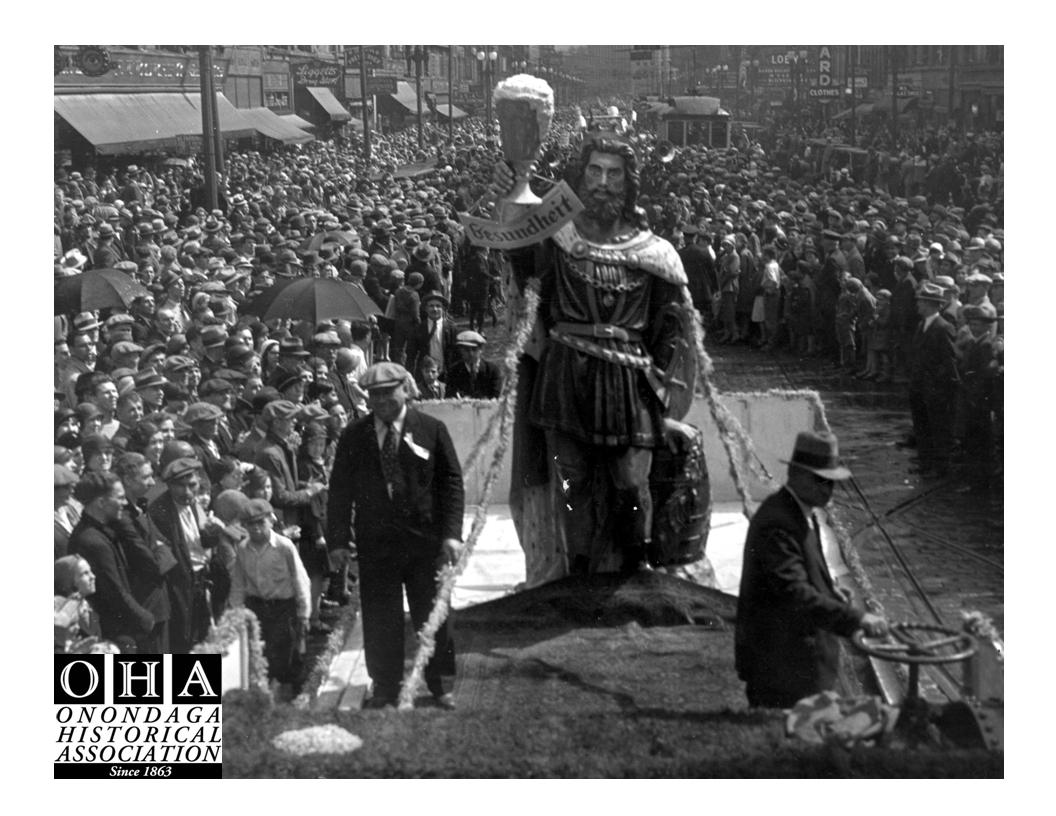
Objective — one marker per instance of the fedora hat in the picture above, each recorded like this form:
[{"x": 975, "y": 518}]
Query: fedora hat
[{"x": 818, "y": 453}]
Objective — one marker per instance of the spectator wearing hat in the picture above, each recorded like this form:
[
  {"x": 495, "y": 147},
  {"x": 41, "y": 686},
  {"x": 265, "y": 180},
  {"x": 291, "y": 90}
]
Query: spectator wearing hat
[
  {"x": 172, "y": 304},
  {"x": 434, "y": 337},
  {"x": 477, "y": 274},
  {"x": 878, "y": 354},
  {"x": 425, "y": 260},
  {"x": 181, "y": 520},
  {"x": 396, "y": 491},
  {"x": 277, "y": 456},
  {"x": 149, "y": 555},
  {"x": 269, "y": 579},
  {"x": 313, "y": 466},
  {"x": 101, "y": 540},
  {"x": 143, "y": 307},
  {"x": 978, "y": 368},
  {"x": 350, "y": 365},
  {"x": 108, "y": 251},
  {"x": 933, "y": 383},
  {"x": 67, "y": 510},
  {"x": 473, "y": 377},
  {"x": 404, "y": 309},
  {"x": 789, "y": 611},
  {"x": 729, "y": 263},
  {"x": 829, "y": 286},
  {"x": 204, "y": 420},
  {"x": 904, "y": 317}
]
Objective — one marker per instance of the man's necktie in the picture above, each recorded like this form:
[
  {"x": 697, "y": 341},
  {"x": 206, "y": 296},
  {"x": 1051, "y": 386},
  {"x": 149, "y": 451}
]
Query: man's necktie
[{"x": 390, "y": 463}]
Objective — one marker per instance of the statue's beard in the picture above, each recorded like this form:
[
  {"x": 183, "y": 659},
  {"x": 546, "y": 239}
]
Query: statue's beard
[{"x": 602, "y": 206}]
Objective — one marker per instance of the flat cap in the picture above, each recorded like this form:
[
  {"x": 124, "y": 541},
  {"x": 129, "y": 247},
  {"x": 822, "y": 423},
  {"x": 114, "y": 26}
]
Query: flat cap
[
  {"x": 384, "y": 375},
  {"x": 201, "y": 412},
  {"x": 256, "y": 509},
  {"x": 181, "y": 468},
  {"x": 470, "y": 339},
  {"x": 280, "y": 409}
]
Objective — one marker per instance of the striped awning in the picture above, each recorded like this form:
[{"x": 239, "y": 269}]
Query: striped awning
[
  {"x": 274, "y": 126},
  {"x": 329, "y": 103}
]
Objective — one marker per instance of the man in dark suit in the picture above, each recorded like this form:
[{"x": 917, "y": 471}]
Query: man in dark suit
[
  {"x": 152, "y": 559},
  {"x": 193, "y": 538},
  {"x": 933, "y": 382},
  {"x": 100, "y": 541},
  {"x": 789, "y": 611},
  {"x": 435, "y": 337},
  {"x": 473, "y": 377},
  {"x": 397, "y": 471}
]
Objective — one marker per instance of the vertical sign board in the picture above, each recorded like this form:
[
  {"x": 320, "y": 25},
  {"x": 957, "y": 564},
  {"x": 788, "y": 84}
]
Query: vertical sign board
[
  {"x": 825, "y": 67},
  {"x": 143, "y": 716}
]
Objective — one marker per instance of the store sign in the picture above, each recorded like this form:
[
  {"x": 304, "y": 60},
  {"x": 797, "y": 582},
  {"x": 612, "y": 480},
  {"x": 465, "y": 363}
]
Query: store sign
[
  {"x": 643, "y": 53},
  {"x": 276, "y": 82},
  {"x": 136, "y": 69},
  {"x": 245, "y": 61},
  {"x": 317, "y": 74},
  {"x": 824, "y": 67},
  {"x": 381, "y": 85},
  {"x": 824, "y": 93}
]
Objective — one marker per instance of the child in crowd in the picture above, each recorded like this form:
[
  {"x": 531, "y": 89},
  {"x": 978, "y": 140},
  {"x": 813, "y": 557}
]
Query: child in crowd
[
  {"x": 429, "y": 379},
  {"x": 847, "y": 319},
  {"x": 878, "y": 356}
]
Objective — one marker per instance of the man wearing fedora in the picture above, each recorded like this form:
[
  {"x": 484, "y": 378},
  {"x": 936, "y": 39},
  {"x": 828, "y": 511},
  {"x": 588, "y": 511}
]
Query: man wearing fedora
[
  {"x": 789, "y": 610},
  {"x": 435, "y": 337},
  {"x": 396, "y": 491},
  {"x": 933, "y": 383}
]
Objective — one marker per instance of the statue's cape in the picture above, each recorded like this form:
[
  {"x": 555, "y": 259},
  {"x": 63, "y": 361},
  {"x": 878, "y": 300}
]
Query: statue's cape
[{"x": 644, "y": 251}]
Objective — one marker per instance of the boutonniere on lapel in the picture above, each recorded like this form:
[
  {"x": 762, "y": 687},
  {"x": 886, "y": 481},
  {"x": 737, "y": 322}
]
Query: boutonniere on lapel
[{"x": 416, "y": 449}]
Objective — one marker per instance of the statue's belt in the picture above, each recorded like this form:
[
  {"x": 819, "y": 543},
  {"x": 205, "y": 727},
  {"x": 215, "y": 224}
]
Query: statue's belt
[
  {"x": 653, "y": 375},
  {"x": 603, "y": 330}
]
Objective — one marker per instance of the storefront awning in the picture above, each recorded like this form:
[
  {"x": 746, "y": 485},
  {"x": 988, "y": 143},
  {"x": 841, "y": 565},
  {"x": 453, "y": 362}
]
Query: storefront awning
[
  {"x": 329, "y": 103},
  {"x": 273, "y": 126},
  {"x": 456, "y": 111},
  {"x": 406, "y": 96},
  {"x": 122, "y": 123},
  {"x": 296, "y": 121},
  {"x": 119, "y": 123}
]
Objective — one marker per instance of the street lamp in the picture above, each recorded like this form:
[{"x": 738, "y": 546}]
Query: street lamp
[{"x": 487, "y": 66}]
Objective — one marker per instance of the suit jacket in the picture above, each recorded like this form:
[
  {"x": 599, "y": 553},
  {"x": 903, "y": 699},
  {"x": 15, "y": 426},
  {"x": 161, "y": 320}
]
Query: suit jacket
[
  {"x": 933, "y": 359},
  {"x": 150, "y": 562},
  {"x": 788, "y": 611},
  {"x": 419, "y": 345},
  {"x": 120, "y": 614},
  {"x": 164, "y": 513},
  {"x": 485, "y": 385},
  {"x": 431, "y": 508},
  {"x": 288, "y": 495}
]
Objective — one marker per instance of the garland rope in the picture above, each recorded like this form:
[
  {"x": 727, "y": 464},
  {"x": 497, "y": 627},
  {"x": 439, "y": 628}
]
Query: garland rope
[{"x": 449, "y": 573}]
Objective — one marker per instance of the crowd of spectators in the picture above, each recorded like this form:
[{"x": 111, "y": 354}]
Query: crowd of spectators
[{"x": 176, "y": 412}]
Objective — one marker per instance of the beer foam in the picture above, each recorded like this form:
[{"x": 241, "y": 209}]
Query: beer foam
[{"x": 537, "y": 92}]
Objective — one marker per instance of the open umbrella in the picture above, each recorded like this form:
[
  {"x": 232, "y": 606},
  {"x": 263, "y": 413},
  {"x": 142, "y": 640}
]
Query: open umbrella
[
  {"x": 312, "y": 299},
  {"x": 339, "y": 237},
  {"x": 96, "y": 289}
]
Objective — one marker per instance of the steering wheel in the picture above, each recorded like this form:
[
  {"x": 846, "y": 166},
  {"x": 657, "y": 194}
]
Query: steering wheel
[{"x": 917, "y": 644}]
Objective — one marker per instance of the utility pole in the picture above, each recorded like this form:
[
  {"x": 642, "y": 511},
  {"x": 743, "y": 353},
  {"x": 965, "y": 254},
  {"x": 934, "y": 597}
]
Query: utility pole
[
  {"x": 854, "y": 93},
  {"x": 205, "y": 72},
  {"x": 419, "y": 54},
  {"x": 450, "y": 95},
  {"x": 363, "y": 99},
  {"x": 893, "y": 51},
  {"x": 953, "y": 81}
]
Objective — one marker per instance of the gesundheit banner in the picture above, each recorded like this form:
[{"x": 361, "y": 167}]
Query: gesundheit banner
[{"x": 559, "y": 206}]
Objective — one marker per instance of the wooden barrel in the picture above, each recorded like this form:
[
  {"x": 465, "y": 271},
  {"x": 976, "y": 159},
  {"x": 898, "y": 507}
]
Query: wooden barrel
[{"x": 681, "y": 495}]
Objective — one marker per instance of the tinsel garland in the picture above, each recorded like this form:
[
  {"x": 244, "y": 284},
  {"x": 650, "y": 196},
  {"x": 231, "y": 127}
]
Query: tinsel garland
[
  {"x": 335, "y": 643},
  {"x": 232, "y": 624},
  {"x": 450, "y": 573}
]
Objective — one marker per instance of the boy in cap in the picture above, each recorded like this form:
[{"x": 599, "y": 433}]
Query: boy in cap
[
  {"x": 396, "y": 491},
  {"x": 789, "y": 610},
  {"x": 269, "y": 579}
]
